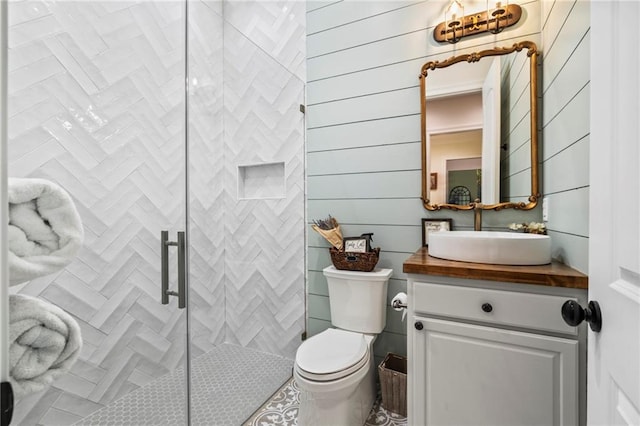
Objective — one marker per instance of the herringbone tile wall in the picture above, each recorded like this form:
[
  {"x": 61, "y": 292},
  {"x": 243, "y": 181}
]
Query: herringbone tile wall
[
  {"x": 206, "y": 195},
  {"x": 278, "y": 28},
  {"x": 96, "y": 104},
  {"x": 264, "y": 277}
]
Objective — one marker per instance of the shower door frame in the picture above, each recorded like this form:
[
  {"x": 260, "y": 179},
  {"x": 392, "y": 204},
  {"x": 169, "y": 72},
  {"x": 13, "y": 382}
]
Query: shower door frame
[
  {"x": 187, "y": 211},
  {"x": 4, "y": 207}
]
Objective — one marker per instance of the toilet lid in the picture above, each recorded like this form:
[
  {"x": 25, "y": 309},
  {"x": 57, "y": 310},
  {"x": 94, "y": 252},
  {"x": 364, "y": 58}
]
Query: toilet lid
[{"x": 332, "y": 354}]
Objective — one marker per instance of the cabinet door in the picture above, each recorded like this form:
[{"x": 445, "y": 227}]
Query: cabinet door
[{"x": 467, "y": 374}]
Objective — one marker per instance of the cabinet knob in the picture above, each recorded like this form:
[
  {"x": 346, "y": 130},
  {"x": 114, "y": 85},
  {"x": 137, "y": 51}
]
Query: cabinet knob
[
  {"x": 486, "y": 307},
  {"x": 573, "y": 314},
  {"x": 418, "y": 325}
]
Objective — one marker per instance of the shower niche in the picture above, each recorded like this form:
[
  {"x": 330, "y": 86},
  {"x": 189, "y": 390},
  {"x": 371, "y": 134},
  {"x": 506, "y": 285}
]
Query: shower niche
[{"x": 261, "y": 181}]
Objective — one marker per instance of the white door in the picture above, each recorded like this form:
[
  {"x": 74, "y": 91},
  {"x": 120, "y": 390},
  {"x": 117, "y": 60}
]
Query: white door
[
  {"x": 491, "y": 135},
  {"x": 614, "y": 235}
]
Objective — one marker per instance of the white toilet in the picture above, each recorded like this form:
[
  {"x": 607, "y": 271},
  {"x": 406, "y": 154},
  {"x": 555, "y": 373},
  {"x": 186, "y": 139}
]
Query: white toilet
[{"x": 335, "y": 369}]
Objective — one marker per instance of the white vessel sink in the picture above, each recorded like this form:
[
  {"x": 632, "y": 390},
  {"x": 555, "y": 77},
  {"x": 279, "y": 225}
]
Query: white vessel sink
[{"x": 502, "y": 248}]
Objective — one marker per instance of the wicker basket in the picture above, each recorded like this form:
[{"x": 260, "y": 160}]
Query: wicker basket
[
  {"x": 364, "y": 262},
  {"x": 393, "y": 383}
]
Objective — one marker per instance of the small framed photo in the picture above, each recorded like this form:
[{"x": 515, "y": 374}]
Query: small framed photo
[
  {"x": 356, "y": 244},
  {"x": 434, "y": 181},
  {"x": 434, "y": 225}
]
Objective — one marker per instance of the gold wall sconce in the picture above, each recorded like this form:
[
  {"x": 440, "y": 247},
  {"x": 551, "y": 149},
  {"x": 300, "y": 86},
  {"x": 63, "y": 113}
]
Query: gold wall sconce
[{"x": 456, "y": 25}]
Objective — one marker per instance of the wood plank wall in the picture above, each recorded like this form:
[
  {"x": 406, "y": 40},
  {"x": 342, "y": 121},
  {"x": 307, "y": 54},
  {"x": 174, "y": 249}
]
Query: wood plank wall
[
  {"x": 565, "y": 127},
  {"x": 515, "y": 162}
]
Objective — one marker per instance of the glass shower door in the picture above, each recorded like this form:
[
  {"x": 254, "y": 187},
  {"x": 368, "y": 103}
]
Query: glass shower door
[
  {"x": 246, "y": 189},
  {"x": 97, "y": 106}
]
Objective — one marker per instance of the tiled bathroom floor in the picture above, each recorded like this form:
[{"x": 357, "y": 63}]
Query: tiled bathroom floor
[
  {"x": 227, "y": 386},
  {"x": 282, "y": 410}
]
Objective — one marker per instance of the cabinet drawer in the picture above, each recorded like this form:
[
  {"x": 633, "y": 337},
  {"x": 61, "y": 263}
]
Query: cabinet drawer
[{"x": 514, "y": 309}]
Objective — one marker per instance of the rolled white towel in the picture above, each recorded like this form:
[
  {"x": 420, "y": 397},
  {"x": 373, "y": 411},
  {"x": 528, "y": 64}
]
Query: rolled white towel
[
  {"x": 45, "y": 231},
  {"x": 45, "y": 341}
]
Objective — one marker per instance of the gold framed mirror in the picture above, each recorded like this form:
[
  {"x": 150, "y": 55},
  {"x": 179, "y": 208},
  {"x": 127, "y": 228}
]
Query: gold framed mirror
[{"x": 502, "y": 177}]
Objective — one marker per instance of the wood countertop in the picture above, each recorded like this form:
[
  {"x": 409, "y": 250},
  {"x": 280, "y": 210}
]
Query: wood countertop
[{"x": 554, "y": 274}]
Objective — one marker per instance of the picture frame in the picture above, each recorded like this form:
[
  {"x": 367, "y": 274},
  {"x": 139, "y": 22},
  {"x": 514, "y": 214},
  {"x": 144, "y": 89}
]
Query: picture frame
[
  {"x": 434, "y": 181},
  {"x": 355, "y": 244},
  {"x": 434, "y": 225}
]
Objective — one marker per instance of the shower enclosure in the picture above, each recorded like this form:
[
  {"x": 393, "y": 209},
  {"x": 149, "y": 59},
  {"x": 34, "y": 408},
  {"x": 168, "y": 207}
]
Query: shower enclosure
[{"x": 178, "y": 119}]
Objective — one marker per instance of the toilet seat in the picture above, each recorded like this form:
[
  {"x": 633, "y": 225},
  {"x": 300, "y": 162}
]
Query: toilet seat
[{"x": 332, "y": 355}]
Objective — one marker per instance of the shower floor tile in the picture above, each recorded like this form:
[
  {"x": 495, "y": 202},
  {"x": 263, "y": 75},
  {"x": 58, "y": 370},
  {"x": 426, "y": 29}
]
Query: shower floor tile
[
  {"x": 227, "y": 385},
  {"x": 282, "y": 410}
]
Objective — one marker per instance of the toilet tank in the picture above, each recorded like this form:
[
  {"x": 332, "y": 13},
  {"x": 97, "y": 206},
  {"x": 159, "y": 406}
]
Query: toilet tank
[{"x": 358, "y": 300}]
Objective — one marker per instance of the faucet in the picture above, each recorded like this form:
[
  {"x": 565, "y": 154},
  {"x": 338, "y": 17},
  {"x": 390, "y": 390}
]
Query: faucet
[{"x": 477, "y": 215}]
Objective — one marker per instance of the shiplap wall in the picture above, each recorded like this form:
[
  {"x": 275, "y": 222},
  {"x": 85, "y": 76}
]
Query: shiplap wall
[
  {"x": 363, "y": 132},
  {"x": 515, "y": 114},
  {"x": 565, "y": 127}
]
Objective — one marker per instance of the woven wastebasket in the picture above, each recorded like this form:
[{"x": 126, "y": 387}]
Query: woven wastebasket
[{"x": 393, "y": 382}]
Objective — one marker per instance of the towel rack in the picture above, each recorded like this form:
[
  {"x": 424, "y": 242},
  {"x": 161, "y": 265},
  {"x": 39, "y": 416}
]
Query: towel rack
[{"x": 165, "y": 244}]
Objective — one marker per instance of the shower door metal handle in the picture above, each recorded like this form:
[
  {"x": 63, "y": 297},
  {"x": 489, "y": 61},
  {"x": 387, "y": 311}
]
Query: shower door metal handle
[
  {"x": 182, "y": 275},
  {"x": 164, "y": 257}
]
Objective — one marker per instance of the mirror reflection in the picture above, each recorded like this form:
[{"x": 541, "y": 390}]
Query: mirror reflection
[
  {"x": 478, "y": 130},
  {"x": 456, "y": 159}
]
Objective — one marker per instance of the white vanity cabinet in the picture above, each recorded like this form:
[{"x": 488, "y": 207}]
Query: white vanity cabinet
[{"x": 493, "y": 353}]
